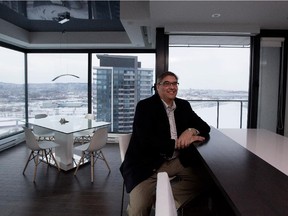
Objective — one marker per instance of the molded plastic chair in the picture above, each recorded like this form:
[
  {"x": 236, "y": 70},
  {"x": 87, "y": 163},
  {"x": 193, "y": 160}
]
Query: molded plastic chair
[
  {"x": 92, "y": 150},
  {"x": 40, "y": 132},
  {"x": 165, "y": 204},
  {"x": 84, "y": 136},
  {"x": 39, "y": 150},
  {"x": 123, "y": 145}
]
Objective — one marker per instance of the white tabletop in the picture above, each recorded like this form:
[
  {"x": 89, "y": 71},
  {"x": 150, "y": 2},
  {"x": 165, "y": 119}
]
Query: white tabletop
[
  {"x": 74, "y": 124},
  {"x": 269, "y": 146}
]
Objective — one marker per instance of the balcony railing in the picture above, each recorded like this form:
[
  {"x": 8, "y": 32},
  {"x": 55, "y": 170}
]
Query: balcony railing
[
  {"x": 230, "y": 111},
  {"x": 218, "y": 113}
]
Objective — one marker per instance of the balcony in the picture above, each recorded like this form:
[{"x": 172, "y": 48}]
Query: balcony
[
  {"x": 222, "y": 113},
  {"x": 217, "y": 113}
]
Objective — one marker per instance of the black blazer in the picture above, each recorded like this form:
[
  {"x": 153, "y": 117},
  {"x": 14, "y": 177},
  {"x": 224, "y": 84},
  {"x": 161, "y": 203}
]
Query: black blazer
[{"x": 151, "y": 141}]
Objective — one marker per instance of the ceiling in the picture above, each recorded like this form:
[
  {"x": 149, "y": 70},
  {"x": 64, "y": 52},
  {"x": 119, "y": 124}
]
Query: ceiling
[{"x": 132, "y": 24}]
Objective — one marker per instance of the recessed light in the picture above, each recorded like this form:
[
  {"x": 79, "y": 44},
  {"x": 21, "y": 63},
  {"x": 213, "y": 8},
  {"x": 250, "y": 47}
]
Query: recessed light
[{"x": 216, "y": 15}]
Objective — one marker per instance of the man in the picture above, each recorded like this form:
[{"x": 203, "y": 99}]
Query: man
[{"x": 164, "y": 130}]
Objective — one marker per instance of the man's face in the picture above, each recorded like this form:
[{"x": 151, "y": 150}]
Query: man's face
[{"x": 167, "y": 89}]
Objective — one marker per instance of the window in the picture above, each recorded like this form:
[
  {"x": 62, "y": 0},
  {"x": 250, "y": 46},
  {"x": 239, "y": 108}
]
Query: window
[
  {"x": 215, "y": 80},
  {"x": 120, "y": 74},
  {"x": 57, "y": 84},
  {"x": 12, "y": 92}
]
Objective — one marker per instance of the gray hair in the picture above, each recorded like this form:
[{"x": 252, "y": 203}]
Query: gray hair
[{"x": 163, "y": 75}]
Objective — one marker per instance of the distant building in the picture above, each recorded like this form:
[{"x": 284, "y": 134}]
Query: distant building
[{"x": 118, "y": 84}]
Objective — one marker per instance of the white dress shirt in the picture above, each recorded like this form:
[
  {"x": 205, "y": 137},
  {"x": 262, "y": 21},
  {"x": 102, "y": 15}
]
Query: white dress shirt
[{"x": 173, "y": 131}]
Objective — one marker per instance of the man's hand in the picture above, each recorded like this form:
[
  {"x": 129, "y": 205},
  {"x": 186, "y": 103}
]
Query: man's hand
[{"x": 187, "y": 138}]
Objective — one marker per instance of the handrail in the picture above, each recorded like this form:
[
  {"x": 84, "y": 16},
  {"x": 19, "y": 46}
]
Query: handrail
[{"x": 218, "y": 101}]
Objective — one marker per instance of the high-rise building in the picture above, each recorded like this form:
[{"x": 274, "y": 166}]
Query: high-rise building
[{"x": 118, "y": 84}]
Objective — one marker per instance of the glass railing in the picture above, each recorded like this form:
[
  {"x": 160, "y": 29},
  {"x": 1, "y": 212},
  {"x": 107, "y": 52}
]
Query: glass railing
[
  {"x": 217, "y": 113},
  {"x": 10, "y": 126},
  {"x": 222, "y": 113}
]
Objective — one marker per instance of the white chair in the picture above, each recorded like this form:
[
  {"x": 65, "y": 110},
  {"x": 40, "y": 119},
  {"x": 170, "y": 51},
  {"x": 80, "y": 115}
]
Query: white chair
[
  {"x": 40, "y": 132},
  {"x": 39, "y": 150},
  {"x": 84, "y": 136},
  {"x": 123, "y": 145},
  {"x": 165, "y": 204},
  {"x": 92, "y": 150}
]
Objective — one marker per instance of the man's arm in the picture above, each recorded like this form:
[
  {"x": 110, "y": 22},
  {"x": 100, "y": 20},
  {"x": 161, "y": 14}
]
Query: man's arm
[{"x": 191, "y": 127}]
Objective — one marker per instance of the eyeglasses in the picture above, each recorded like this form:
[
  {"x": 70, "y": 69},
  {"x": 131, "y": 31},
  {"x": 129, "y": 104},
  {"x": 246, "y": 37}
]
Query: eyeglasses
[{"x": 168, "y": 84}]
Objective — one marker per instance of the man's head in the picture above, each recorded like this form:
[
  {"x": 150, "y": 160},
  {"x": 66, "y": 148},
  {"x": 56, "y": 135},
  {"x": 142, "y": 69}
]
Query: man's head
[{"x": 167, "y": 86}]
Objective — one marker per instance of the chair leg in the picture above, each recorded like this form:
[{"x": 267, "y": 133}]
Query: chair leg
[
  {"x": 54, "y": 159},
  {"x": 74, "y": 161},
  {"x": 92, "y": 166},
  {"x": 35, "y": 156},
  {"x": 81, "y": 159},
  {"x": 122, "y": 200},
  {"x": 46, "y": 156},
  {"x": 102, "y": 155},
  {"x": 180, "y": 212},
  {"x": 36, "y": 160},
  {"x": 29, "y": 158}
]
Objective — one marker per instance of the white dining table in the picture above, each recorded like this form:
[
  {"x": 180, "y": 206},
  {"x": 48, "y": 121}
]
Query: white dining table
[{"x": 64, "y": 154}]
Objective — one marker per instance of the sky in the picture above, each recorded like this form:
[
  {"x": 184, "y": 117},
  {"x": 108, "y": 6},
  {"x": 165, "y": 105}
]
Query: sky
[
  {"x": 211, "y": 68},
  {"x": 197, "y": 68}
]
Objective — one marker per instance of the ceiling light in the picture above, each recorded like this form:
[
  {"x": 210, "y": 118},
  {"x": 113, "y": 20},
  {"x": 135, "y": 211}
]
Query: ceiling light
[
  {"x": 63, "y": 17},
  {"x": 216, "y": 15},
  {"x": 65, "y": 75}
]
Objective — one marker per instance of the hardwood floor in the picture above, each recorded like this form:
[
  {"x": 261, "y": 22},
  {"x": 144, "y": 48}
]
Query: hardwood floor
[{"x": 61, "y": 193}]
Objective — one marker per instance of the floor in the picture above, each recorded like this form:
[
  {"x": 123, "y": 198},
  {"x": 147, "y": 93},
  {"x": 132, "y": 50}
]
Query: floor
[{"x": 61, "y": 193}]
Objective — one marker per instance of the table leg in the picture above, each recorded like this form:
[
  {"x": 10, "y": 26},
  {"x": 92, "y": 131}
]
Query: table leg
[{"x": 64, "y": 153}]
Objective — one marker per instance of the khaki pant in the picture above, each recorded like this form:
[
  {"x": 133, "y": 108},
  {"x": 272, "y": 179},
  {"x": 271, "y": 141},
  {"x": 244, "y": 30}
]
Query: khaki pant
[{"x": 190, "y": 183}]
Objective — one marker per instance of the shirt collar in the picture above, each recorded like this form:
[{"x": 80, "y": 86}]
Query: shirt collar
[{"x": 168, "y": 107}]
